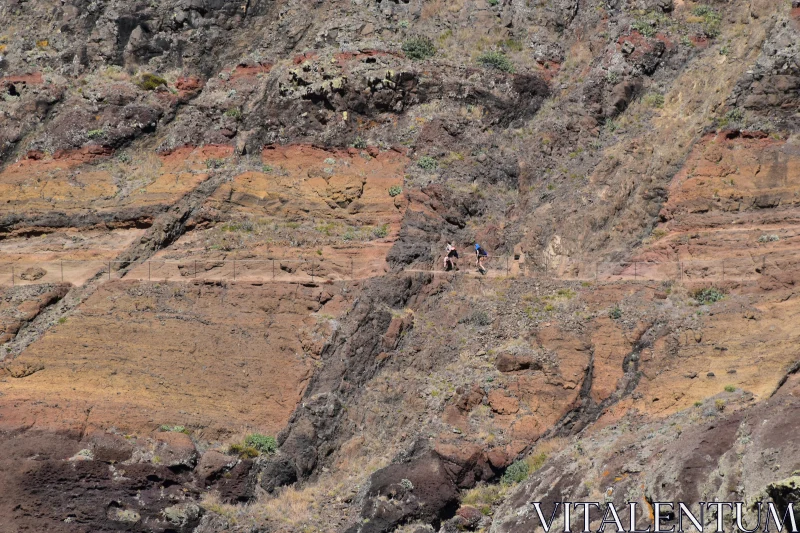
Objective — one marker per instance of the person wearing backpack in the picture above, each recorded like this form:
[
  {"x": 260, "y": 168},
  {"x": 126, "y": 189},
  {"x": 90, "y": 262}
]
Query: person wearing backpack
[{"x": 480, "y": 255}]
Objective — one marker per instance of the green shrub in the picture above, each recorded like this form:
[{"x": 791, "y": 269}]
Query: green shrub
[
  {"x": 477, "y": 318},
  {"x": 245, "y": 452},
  {"x": 654, "y": 100},
  {"x": 427, "y": 163},
  {"x": 263, "y": 443},
  {"x": 708, "y": 295},
  {"x": 173, "y": 429},
  {"x": 732, "y": 116},
  {"x": 768, "y": 238},
  {"x": 214, "y": 162},
  {"x": 712, "y": 21},
  {"x": 150, "y": 82},
  {"x": 494, "y": 2},
  {"x": 496, "y": 60},
  {"x": 395, "y": 190},
  {"x": 381, "y": 231},
  {"x": 359, "y": 143},
  {"x": 730, "y": 388},
  {"x": 517, "y": 472},
  {"x": 234, "y": 113},
  {"x": 419, "y": 48},
  {"x": 615, "y": 313},
  {"x": 645, "y": 27},
  {"x": 94, "y": 134}
]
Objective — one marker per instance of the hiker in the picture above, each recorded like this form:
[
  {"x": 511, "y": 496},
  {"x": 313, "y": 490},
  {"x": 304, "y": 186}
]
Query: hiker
[
  {"x": 450, "y": 257},
  {"x": 480, "y": 255}
]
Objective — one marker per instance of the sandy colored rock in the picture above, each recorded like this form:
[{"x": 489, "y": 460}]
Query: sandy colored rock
[
  {"x": 503, "y": 404},
  {"x": 173, "y": 361}
]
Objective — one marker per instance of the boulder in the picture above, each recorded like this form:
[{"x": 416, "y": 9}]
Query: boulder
[
  {"x": 503, "y": 404},
  {"x": 109, "y": 448},
  {"x": 238, "y": 485},
  {"x": 421, "y": 489},
  {"x": 278, "y": 472},
  {"x": 183, "y": 514},
  {"x": 175, "y": 449},
  {"x": 213, "y": 464}
]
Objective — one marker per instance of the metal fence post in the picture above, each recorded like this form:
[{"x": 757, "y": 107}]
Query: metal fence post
[
  {"x": 195, "y": 269},
  {"x": 507, "y": 271},
  {"x": 763, "y": 264}
]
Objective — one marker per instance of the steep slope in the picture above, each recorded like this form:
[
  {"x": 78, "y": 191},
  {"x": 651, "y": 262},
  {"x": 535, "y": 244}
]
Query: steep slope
[{"x": 292, "y": 171}]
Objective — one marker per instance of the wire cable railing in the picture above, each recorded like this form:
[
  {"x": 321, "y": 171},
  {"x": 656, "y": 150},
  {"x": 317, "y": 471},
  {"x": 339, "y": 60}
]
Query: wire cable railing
[{"x": 321, "y": 269}]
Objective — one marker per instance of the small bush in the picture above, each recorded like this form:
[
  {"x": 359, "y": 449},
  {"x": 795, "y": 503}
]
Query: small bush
[
  {"x": 768, "y": 238},
  {"x": 395, "y": 190},
  {"x": 419, "y": 48},
  {"x": 615, "y": 313},
  {"x": 483, "y": 494},
  {"x": 359, "y": 143},
  {"x": 406, "y": 484},
  {"x": 709, "y": 295},
  {"x": 516, "y": 473},
  {"x": 496, "y": 60},
  {"x": 730, "y": 388},
  {"x": 173, "y": 429},
  {"x": 712, "y": 20},
  {"x": 381, "y": 231},
  {"x": 720, "y": 405},
  {"x": 733, "y": 116},
  {"x": 698, "y": 403},
  {"x": 493, "y": 2},
  {"x": 94, "y": 134},
  {"x": 150, "y": 82},
  {"x": 477, "y": 318},
  {"x": 655, "y": 100},
  {"x": 645, "y": 27},
  {"x": 234, "y": 113},
  {"x": 427, "y": 163},
  {"x": 263, "y": 443},
  {"x": 535, "y": 462},
  {"x": 214, "y": 162},
  {"x": 245, "y": 452}
]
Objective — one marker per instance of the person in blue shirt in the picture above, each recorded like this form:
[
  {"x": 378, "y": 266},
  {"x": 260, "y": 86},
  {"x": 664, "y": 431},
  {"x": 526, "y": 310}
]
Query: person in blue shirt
[{"x": 480, "y": 255}]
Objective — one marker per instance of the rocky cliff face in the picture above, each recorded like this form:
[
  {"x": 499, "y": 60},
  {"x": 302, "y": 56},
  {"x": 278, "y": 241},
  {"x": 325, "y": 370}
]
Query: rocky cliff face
[{"x": 292, "y": 171}]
